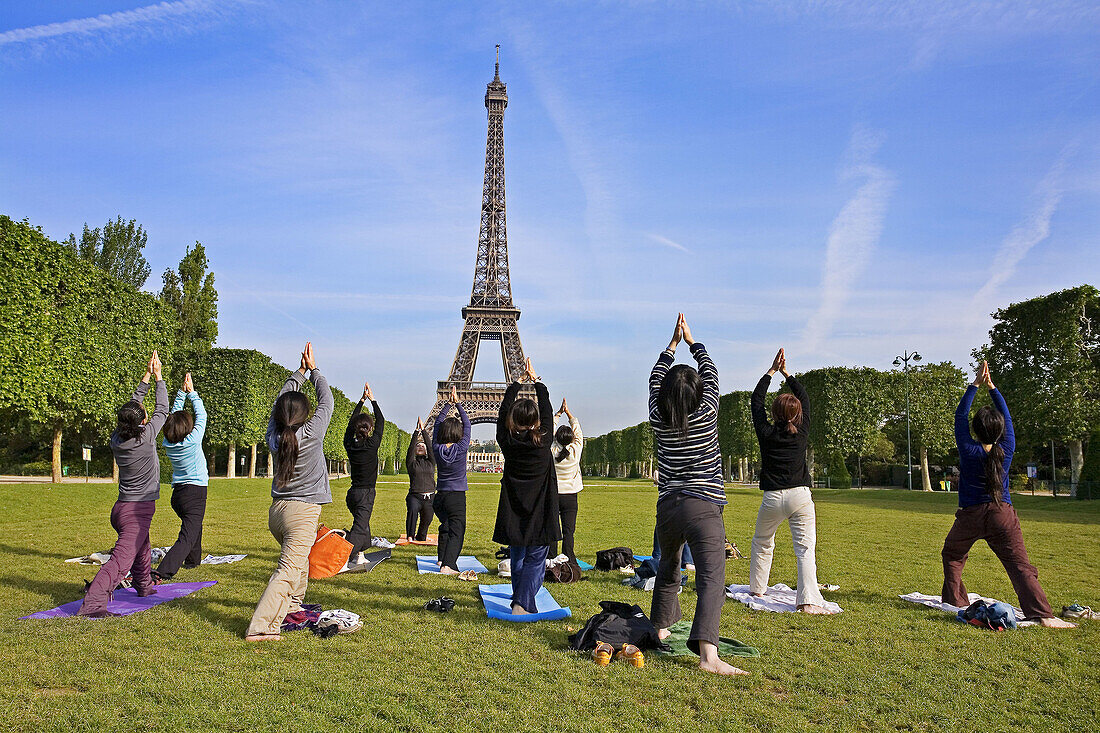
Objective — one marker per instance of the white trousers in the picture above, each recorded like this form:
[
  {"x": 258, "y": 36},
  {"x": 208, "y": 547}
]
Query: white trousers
[{"x": 796, "y": 507}]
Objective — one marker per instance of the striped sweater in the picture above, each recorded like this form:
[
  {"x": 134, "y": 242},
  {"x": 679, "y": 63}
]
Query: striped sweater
[{"x": 690, "y": 464}]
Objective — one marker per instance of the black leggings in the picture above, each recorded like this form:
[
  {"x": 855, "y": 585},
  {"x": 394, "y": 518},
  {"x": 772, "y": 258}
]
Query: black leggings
[
  {"x": 567, "y": 509},
  {"x": 189, "y": 504},
  {"x": 361, "y": 505},
  {"x": 450, "y": 507},
  {"x": 419, "y": 507}
]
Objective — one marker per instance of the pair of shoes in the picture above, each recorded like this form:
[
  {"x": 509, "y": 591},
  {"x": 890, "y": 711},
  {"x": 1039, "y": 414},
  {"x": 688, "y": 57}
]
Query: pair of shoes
[
  {"x": 443, "y": 604},
  {"x": 468, "y": 575},
  {"x": 629, "y": 654},
  {"x": 383, "y": 543},
  {"x": 828, "y": 586},
  {"x": 1079, "y": 611}
]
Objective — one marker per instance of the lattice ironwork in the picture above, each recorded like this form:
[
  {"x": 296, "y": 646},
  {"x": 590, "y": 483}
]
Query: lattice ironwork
[{"x": 491, "y": 314}]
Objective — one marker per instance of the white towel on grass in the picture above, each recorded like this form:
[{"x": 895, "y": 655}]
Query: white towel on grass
[
  {"x": 938, "y": 604},
  {"x": 157, "y": 554},
  {"x": 779, "y": 598}
]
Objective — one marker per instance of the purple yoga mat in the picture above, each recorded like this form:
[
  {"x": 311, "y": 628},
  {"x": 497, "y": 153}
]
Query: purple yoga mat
[{"x": 127, "y": 601}]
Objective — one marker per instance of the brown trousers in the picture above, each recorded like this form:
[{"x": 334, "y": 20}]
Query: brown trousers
[{"x": 998, "y": 525}]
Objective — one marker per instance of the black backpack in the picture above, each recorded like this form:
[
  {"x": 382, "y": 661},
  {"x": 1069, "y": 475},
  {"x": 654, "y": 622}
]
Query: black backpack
[{"x": 615, "y": 558}]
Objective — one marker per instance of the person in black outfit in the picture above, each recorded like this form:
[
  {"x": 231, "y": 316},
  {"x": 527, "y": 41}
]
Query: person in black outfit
[
  {"x": 527, "y": 514},
  {"x": 421, "y": 467},
  {"x": 361, "y": 441},
  {"x": 785, "y": 481}
]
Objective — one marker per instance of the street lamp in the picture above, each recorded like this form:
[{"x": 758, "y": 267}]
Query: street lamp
[{"x": 903, "y": 361}]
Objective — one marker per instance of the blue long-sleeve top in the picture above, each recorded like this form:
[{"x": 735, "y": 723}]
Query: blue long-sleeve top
[
  {"x": 188, "y": 462},
  {"x": 450, "y": 460},
  {"x": 972, "y": 454}
]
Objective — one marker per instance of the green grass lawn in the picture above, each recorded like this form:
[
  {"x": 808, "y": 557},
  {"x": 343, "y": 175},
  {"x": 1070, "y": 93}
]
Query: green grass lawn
[{"x": 882, "y": 664}]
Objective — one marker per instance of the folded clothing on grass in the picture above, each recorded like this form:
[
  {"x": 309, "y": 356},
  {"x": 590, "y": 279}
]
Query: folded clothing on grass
[
  {"x": 678, "y": 638},
  {"x": 427, "y": 564},
  {"x": 498, "y": 604},
  {"x": 617, "y": 624},
  {"x": 939, "y": 605},
  {"x": 127, "y": 601},
  {"x": 157, "y": 554},
  {"x": 779, "y": 598}
]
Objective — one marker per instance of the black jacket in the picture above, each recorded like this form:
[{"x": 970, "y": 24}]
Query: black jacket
[
  {"x": 782, "y": 454},
  {"x": 528, "y": 510},
  {"x": 363, "y": 454},
  {"x": 421, "y": 468}
]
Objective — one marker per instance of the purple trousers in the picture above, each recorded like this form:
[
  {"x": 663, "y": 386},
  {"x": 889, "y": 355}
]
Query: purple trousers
[{"x": 131, "y": 519}]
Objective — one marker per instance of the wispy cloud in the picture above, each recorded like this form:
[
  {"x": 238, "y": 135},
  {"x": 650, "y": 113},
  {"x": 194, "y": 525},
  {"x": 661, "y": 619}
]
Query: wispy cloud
[
  {"x": 667, "y": 242},
  {"x": 139, "y": 19},
  {"x": 853, "y": 235},
  {"x": 1030, "y": 231}
]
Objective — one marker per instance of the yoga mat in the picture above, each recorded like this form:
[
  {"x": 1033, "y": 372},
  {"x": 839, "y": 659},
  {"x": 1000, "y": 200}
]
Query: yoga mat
[
  {"x": 779, "y": 598},
  {"x": 432, "y": 540},
  {"x": 678, "y": 640},
  {"x": 498, "y": 604},
  {"x": 426, "y": 564},
  {"x": 939, "y": 605},
  {"x": 584, "y": 566},
  {"x": 642, "y": 558},
  {"x": 127, "y": 601},
  {"x": 372, "y": 560}
]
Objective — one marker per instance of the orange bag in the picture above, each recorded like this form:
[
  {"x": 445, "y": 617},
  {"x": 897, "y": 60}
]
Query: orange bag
[{"x": 329, "y": 554}]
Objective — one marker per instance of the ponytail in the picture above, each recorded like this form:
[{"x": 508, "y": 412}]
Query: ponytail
[
  {"x": 989, "y": 427},
  {"x": 564, "y": 436},
  {"x": 290, "y": 413},
  {"x": 523, "y": 419},
  {"x": 787, "y": 412},
  {"x": 994, "y": 472},
  {"x": 130, "y": 416}
]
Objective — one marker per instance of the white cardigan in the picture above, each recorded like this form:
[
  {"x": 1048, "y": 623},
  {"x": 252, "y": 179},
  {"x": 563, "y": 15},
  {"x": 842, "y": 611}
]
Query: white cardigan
[{"x": 569, "y": 468}]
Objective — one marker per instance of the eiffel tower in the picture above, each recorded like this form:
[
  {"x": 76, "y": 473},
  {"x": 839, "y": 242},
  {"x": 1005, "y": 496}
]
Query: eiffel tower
[{"x": 491, "y": 315}]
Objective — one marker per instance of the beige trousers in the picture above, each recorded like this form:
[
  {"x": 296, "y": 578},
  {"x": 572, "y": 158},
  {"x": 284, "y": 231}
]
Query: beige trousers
[
  {"x": 796, "y": 507},
  {"x": 294, "y": 525}
]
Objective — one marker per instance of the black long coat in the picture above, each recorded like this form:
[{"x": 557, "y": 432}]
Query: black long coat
[{"x": 528, "y": 510}]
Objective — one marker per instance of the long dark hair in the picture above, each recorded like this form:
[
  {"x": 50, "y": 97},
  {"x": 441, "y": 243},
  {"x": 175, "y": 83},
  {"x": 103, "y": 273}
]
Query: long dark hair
[
  {"x": 989, "y": 427},
  {"x": 290, "y": 413},
  {"x": 130, "y": 416},
  {"x": 362, "y": 425},
  {"x": 450, "y": 431},
  {"x": 564, "y": 436},
  {"x": 178, "y": 426},
  {"x": 524, "y": 418},
  {"x": 787, "y": 411},
  {"x": 680, "y": 395}
]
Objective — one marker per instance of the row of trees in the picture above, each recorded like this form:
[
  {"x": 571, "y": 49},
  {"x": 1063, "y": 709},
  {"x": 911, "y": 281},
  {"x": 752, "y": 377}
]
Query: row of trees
[
  {"x": 1045, "y": 354},
  {"x": 75, "y": 330}
]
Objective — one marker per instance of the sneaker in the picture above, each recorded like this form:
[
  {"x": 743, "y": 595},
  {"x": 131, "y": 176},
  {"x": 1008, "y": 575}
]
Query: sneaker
[
  {"x": 383, "y": 543},
  {"x": 626, "y": 570},
  {"x": 602, "y": 653},
  {"x": 631, "y": 654},
  {"x": 1079, "y": 611},
  {"x": 345, "y": 622}
]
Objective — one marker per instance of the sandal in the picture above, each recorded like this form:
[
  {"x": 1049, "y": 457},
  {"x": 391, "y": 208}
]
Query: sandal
[
  {"x": 632, "y": 654},
  {"x": 468, "y": 575},
  {"x": 602, "y": 653}
]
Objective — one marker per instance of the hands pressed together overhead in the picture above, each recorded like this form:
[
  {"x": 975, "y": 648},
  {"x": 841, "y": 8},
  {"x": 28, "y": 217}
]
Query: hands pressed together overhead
[
  {"x": 154, "y": 368},
  {"x": 529, "y": 371},
  {"x": 188, "y": 385},
  {"x": 564, "y": 409},
  {"x": 982, "y": 378},
  {"x": 682, "y": 331},
  {"x": 779, "y": 364},
  {"x": 368, "y": 396},
  {"x": 308, "y": 362}
]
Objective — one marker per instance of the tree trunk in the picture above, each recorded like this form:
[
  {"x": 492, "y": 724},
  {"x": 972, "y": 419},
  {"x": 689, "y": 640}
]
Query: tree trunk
[
  {"x": 810, "y": 460},
  {"x": 56, "y": 453},
  {"x": 270, "y": 465},
  {"x": 210, "y": 463},
  {"x": 1076, "y": 460},
  {"x": 925, "y": 478},
  {"x": 252, "y": 462},
  {"x": 114, "y": 470},
  {"x": 231, "y": 467}
]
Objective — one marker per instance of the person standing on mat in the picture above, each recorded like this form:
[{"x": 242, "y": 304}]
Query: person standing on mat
[
  {"x": 361, "y": 441},
  {"x": 683, "y": 411},
  {"x": 527, "y": 513},
  {"x": 985, "y": 505},
  {"x": 298, "y": 490},
  {"x": 183, "y": 444},
  {"x": 568, "y": 444},
  {"x": 785, "y": 481},
  {"x": 420, "y": 464},
  {"x": 134, "y": 445},
  {"x": 450, "y": 444}
]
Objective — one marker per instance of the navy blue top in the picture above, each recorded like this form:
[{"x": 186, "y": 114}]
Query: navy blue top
[{"x": 972, "y": 454}]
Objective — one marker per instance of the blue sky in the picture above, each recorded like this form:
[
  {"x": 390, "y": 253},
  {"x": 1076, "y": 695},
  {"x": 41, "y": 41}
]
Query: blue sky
[{"x": 843, "y": 179}]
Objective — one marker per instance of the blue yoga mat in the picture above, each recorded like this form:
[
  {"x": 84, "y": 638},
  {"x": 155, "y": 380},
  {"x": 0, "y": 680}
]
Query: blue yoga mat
[
  {"x": 498, "y": 604},
  {"x": 426, "y": 564},
  {"x": 583, "y": 565},
  {"x": 642, "y": 558}
]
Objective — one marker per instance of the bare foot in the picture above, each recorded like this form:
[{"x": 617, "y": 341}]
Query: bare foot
[
  {"x": 814, "y": 610},
  {"x": 264, "y": 637},
  {"x": 756, "y": 595},
  {"x": 1056, "y": 623},
  {"x": 444, "y": 570},
  {"x": 663, "y": 634},
  {"x": 717, "y": 666},
  {"x": 518, "y": 610}
]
